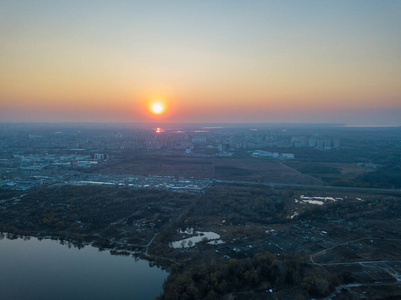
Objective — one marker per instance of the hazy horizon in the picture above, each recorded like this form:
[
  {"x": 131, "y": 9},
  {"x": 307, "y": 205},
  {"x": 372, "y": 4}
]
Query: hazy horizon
[{"x": 206, "y": 125}]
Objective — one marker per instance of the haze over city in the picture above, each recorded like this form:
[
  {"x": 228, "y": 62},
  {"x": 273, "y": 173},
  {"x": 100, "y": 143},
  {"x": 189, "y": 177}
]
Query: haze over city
[{"x": 207, "y": 61}]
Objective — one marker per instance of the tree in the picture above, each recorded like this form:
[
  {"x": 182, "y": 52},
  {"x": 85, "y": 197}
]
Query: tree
[{"x": 183, "y": 243}]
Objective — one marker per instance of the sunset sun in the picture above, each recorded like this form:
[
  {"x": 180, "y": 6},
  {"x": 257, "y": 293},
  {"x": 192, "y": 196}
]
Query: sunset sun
[{"x": 157, "y": 108}]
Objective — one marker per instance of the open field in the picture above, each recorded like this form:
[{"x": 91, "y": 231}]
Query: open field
[
  {"x": 329, "y": 172},
  {"x": 247, "y": 169}
]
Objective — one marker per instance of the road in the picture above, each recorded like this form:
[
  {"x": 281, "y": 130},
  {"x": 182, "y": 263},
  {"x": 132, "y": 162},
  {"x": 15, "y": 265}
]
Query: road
[
  {"x": 323, "y": 187},
  {"x": 148, "y": 245}
]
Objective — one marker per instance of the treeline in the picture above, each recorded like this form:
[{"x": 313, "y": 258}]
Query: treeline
[
  {"x": 384, "y": 177},
  {"x": 351, "y": 155},
  {"x": 238, "y": 204},
  {"x": 257, "y": 274},
  {"x": 84, "y": 211}
]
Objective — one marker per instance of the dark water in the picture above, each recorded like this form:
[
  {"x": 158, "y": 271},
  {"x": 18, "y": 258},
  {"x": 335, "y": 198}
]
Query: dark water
[{"x": 46, "y": 269}]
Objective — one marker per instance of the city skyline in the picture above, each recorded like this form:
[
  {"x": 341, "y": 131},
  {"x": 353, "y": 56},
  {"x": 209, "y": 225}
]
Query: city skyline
[{"x": 210, "y": 62}]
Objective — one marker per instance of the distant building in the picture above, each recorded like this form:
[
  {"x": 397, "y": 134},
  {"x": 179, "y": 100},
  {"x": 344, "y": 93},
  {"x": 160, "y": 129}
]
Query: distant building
[
  {"x": 85, "y": 164},
  {"x": 298, "y": 141},
  {"x": 99, "y": 156},
  {"x": 199, "y": 140},
  {"x": 321, "y": 143},
  {"x": 263, "y": 154},
  {"x": 274, "y": 155},
  {"x": 223, "y": 147},
  {"x": 327, "y": 143},
  {"x": 336, "y": 143},
  {"x": 312, "y": 141},
  {"x": 287, "y": 155}
]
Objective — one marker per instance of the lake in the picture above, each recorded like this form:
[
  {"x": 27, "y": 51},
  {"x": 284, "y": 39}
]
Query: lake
[{"x": 33, "y": 269}]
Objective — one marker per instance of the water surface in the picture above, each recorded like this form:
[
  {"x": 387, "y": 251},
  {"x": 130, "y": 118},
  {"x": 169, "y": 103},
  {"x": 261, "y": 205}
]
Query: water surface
[{"x": 34, "y": 269}]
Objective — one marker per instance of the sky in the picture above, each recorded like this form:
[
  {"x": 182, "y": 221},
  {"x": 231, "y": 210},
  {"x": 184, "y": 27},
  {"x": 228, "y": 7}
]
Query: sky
[{"x": 207, "y": 61}]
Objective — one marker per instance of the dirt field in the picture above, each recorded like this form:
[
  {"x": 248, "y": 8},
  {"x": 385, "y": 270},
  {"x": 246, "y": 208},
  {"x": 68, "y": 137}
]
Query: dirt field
[{"x": 245, "y": 169}]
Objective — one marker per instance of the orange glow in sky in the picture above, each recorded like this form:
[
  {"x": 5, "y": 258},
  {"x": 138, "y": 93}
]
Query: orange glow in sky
[{"x": 275, "y": 65}]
